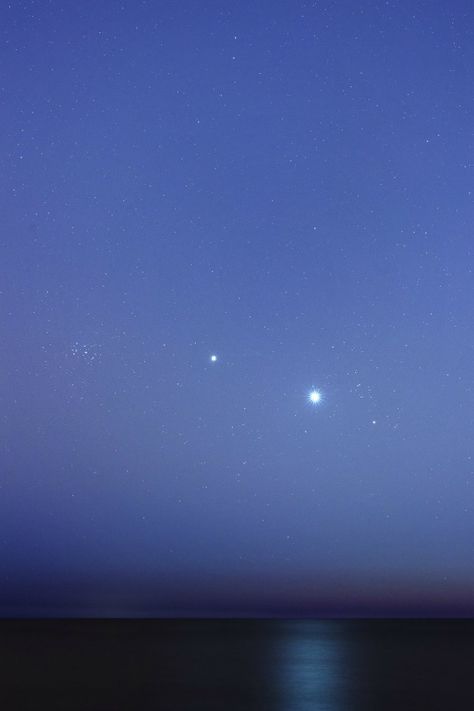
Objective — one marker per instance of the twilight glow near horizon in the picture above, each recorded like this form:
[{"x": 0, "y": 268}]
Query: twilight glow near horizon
[{"x": 237, "y": 345}]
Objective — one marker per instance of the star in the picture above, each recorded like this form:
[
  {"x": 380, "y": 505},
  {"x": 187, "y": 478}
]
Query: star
[
  {"x": 314, "y": 397},
  {"x": 213, "y": 358}
]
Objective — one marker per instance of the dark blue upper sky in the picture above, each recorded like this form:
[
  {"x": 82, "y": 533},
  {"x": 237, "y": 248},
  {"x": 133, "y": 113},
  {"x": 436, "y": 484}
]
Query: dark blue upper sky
[{"x": 289, "y": 186}]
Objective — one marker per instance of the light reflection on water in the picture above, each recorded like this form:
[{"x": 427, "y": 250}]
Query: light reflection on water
[{"x": 311, "y": 668}]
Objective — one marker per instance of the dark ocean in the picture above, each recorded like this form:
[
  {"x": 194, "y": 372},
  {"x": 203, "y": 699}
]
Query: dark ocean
[{"x": 217, "y": 665}]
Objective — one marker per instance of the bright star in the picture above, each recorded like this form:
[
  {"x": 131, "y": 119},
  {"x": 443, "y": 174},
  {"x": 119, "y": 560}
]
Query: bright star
[
  {"x": 213, "y": 358},
  {"x": 314, "y": 397}
]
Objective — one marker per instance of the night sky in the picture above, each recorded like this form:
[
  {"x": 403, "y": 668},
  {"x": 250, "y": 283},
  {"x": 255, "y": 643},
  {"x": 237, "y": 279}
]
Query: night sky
[{"x": 286, "y": 186}]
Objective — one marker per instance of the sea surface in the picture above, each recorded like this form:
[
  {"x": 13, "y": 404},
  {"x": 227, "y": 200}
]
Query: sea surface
[{"x": 225, "y": 665}]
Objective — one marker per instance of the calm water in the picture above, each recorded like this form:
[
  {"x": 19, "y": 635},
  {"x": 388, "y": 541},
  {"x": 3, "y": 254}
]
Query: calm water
[{"x": 237, "y": 664}]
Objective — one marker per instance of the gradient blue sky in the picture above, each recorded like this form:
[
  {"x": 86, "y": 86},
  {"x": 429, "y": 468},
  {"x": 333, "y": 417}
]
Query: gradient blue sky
[{"x": 287, "y": 185}]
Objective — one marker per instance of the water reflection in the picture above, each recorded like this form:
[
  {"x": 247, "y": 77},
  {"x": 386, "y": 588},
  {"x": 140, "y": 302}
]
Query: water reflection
[{"x": 310, "y": 667}]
